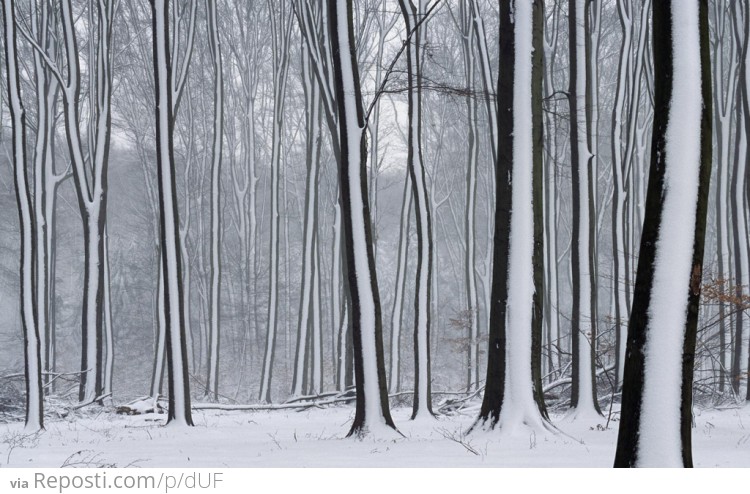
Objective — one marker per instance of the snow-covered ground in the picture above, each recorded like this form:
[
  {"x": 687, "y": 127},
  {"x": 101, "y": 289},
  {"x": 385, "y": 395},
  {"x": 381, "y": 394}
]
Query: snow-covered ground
[{"x": 316, "y": 438}]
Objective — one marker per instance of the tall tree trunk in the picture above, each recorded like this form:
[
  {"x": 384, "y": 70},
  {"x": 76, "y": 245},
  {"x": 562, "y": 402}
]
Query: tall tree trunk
[
  {"x": 45, "y": 86},
  {"x": 212, "y": 378},
  {"x": 171, "y": 265},
  {"x": 745, "y": 101},
  {"x": 415, "y": 163},
  {"x": 724, "y": 94},
  {"x": 280, "y": 32},
  {"x": 372, "y": 412},
  {"x": 513, "y": 386},
  {"x": 618, "y": 188},
  {"x": 90, "y": 163},
  {"x": 583, "y": 392},
  {"x": 31, "y": 342},
  {"x": 397, "y": 315},
  {"x": 306, "y": 321},
  {"x": 657, "y": 391},
  {"x": 739, "y": 200},
  {"x": 467, "y": 28},
  {"x": 109, "y": 331}
]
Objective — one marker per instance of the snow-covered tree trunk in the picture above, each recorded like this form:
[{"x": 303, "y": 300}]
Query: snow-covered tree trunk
[
  {"x": 739, "y": 200},
  {"x": 184, "y": 231},
  {"x": 307, "y": 321},
  {"x": 109, "y": 330},
  {"x": 397, "y": 314},
  {"x": 740, "y": 244},
  {"x": 626, "y": 153},
  {"x": 655, "y": 424},
  {"x": 214, "y": 42},
  {"x": 245, "y": 44},
  {"x": 339, "y": 312},
  {"x": 280, "y": 37},
  {"x": 488, "y": 81},
  {"x": 468, "y": 25},
  {"x": 551, "y": 298},
  {"x": 171, "y": 263},
  {"x": 415, "y": 163},
  {"x": 583, "y": 392},
  {"x": 485, "y": 69},
  {"x": 509, "y": 399},
  {"x": 372, "y": 412},
  {"x": 316, "y": 384},
  {"x": 725, "y": 83},
  {"x": 45, "y": 185},
  {"x": 593, "y": 23},
  {"x": 316, "y": 30},
  {"x": 745, "y": 102},
  {"x": 90, "y": 165},
  {"x": 31, "y": 341},
  {"x": 45, "y": 87},
  {"x": 619, "y": 269},
  {"x": 384, "y": 26}
]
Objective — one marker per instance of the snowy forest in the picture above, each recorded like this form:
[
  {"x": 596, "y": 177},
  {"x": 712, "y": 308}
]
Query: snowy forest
[{"x": 460, "y": 232}]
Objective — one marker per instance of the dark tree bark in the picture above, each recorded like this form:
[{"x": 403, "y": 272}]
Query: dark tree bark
[
  {"x": 640, "y": 330},
  {"x": 496, "y": 396},
  {"x": 537, "y": 91},
  {"x": 739, "y": 221},
  {"x": 214, "y": 339},
  {"x": 366, "y": 320},
  {"x": 494, "y": 391},
  {"x": 31, "y": 344},
  {"x": 415, "y": 163},
  {"x": 583, "y": 329},
  {"x": 171, "y": 265},
  {"x": 739, "y": 189}
]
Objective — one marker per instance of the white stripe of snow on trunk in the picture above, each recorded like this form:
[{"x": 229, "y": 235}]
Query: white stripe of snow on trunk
[{"x": 660, "y": 443}]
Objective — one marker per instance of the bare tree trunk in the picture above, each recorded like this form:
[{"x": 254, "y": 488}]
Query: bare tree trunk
[
  {"x": 513, "y": 386},
  {"x": 583, "y": 393},
  {"x": 372, "y": 412},
  {"x": 415, "y": 163},
  {"x": 397, "y": 315},
  {"x": 31, "y": 341},
  {"x": 212, "y": 377},
  {"x": 281, "y": 32},
  {"x": 310, "y": 276},
  {"x": 175, "y": 341},
  {"x": 552, "y": 309},
  {"x": 656, "y": 418},
  {"x": 467, "y": 27}
]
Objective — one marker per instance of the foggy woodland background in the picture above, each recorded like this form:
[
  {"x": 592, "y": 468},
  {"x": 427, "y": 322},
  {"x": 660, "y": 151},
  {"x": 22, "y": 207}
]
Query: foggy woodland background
[{"x": 248, "y": 73}]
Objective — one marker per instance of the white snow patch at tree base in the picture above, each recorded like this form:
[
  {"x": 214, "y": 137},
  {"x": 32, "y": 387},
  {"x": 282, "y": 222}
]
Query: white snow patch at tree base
[
  {"x": 377, "y": 431},
  {"x": 315, "y": 438},
  {"x": 424, "y": 417},
  {"x": 584, "y": 415},
  {"x": 516, "y": 427}
]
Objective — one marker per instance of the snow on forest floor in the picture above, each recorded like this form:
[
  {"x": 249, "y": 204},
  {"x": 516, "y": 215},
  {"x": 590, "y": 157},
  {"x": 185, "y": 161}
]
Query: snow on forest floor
[{"x": 316, "y": 438}]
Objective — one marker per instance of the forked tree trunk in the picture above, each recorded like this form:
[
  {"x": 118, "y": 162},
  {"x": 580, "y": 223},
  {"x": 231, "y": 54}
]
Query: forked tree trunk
[{"x": 372, "y": 412}]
